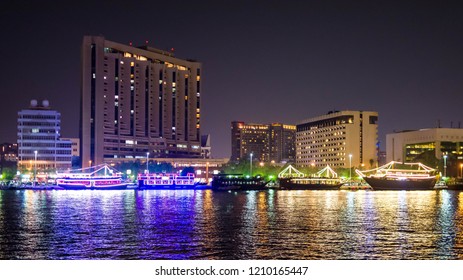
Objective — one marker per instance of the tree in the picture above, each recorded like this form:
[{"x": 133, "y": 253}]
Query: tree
[{"x": 8, "y": 173}]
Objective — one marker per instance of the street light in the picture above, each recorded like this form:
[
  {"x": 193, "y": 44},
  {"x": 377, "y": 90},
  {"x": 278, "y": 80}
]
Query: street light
[
  {"x": 445, "y": 166},
  {"x": 250, "y": 165},
  {"x": 350, "y": 167},
  {"x": 461, "y": 170},
  {"x": 35, "y": 166},
  {"x": 147, "y": 170}
]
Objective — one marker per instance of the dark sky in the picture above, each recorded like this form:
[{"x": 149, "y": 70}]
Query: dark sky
[{"x": 263, "y": 61}]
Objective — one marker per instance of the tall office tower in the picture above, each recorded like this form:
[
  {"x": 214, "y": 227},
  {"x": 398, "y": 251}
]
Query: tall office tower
[
  {"x": 39, "y": 144},
  {"x": 339, "y": 139},
  {"x": 267, "y": 142},
  {"x": 137, "y": 100}
]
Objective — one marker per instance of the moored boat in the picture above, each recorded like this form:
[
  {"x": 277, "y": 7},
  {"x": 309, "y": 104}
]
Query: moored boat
[
  {"x": 310, "y": 184},
  {"x": 325, "y": 179},
  {"x": 455, "y": 184},
  {"x": 166, "y": 181},
  {"x": 237, "y": 182},
  {"x": 99, "y": 177},
  {"x": 400, "y": 176}
]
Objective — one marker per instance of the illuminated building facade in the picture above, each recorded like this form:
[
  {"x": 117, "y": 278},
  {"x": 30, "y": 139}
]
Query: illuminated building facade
[
  {"x": 8, "y": 152},
  {"x": 137, "y": 100},
  {"x": 330, "y": 139},
  {"x": 39, "y": 144},
  {"x": 420, "y": 145},
  {"x": 267, "y": 142}
]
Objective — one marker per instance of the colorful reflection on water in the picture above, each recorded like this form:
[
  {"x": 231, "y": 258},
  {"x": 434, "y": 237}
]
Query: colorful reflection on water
[{"x": 188, "y": 224}]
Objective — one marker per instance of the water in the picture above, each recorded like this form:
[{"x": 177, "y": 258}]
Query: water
[{"x": 201, "y": 224}]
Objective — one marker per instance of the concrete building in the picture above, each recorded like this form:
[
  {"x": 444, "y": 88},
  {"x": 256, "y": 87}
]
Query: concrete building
[
  {"x": 39, "y": 144},
  {"x": 419, "y": 145},
  {"x": 75, "y": 144},
  {"x": 332, "y": 138},
  {"x": 206, "y": 146},
  {"x": 137, "y": 100},
  {"x": 8, "y": 152},
  {"x": 267, "y": 142}
]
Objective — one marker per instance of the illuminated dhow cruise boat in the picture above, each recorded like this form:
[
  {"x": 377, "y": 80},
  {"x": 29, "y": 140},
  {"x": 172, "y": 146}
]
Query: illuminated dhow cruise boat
[
  {"x": 326, "y": 179},
  {"x": 166, "y": 181},
  {"x": 96, "y": 177},
  {"x": 400, "y": 176},
  {"x": 238, "y": 182}
]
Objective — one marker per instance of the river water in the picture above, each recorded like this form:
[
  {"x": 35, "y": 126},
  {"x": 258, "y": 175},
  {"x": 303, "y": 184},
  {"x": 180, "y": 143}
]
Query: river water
[{"x": 202, "y": 224}]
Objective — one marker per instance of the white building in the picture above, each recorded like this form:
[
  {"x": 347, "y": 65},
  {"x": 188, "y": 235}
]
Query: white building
[
  {"x": 39, "y": 145},
  {"x": 332, "y": 138},
  {"x": 409, "y": 145},
  {"x": 137, "y": 100}
]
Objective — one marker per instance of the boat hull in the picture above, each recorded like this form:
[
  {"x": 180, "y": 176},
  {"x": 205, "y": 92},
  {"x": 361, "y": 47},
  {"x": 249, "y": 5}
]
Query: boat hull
[
  {"x": 239, "y": 188},
  {"x": 398, "y": 185},
  {"x": 287, "y": 184},
  {"x": 143, "y": 186},
  {"x": 457, "y": 187},
  {"x": 84, "y": 187}
]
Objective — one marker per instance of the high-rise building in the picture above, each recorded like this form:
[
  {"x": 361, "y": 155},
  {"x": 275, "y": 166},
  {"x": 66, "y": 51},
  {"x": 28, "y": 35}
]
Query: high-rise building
[
  {"x": 39, "y": 144},
  {"x": 339, "y": 139},
  {"x": 266, "y": 142},
  {"x": 137, "y": 100}
]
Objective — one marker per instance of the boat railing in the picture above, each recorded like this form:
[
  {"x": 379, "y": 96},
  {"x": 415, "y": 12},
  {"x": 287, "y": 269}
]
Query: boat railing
[{"x": 390, "y": 171}]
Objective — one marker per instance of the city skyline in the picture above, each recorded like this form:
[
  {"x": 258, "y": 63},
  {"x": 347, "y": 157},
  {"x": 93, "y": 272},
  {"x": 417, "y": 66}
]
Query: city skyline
[{"x": 263, "y": 61}]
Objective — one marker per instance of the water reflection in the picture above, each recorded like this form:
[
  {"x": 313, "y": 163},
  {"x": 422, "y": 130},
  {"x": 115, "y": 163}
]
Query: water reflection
[{"x": 188, "y": 224}]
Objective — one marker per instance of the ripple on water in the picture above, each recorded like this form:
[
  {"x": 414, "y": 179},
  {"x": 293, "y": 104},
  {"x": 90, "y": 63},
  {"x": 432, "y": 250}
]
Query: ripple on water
[{"x": 203, "y": 224}]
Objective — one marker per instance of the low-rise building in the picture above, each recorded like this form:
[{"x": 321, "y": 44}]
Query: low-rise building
[{"x": 425, "y": 145}]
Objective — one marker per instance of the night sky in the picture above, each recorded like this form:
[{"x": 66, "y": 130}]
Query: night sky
[{"x": 263, "y": 61}]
